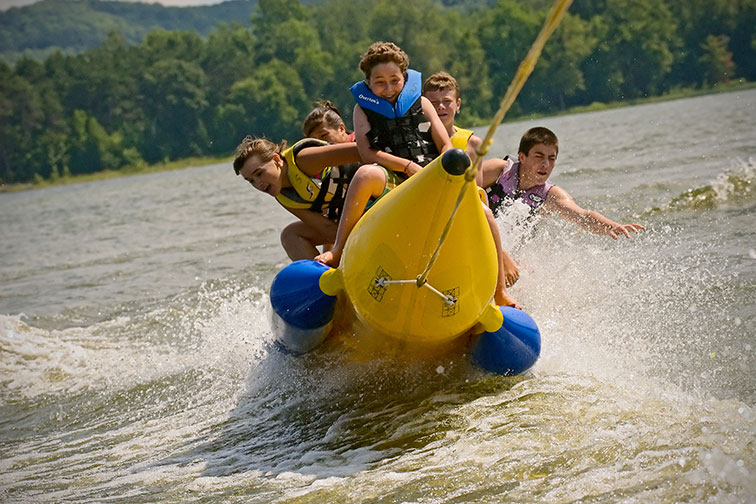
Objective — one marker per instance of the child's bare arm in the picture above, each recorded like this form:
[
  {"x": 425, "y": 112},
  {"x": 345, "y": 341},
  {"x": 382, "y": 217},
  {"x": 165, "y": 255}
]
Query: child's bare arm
[
  {"x": 561, "y": 203},
  {"x": 491, "y": 170},
  {"x": 321, "y": 225},
  {"x": 438, "y": 131},
  {"x": 473, "y": 144},
  {"x": 312, "y": 160}
]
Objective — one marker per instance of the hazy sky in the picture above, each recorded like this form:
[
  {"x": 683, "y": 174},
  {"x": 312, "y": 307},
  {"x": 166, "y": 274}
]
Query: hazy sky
[{"x": 6, "y": 4}]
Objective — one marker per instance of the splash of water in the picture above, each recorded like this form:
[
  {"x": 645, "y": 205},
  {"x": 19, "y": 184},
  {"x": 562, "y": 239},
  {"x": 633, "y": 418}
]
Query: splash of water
[{"x": 732, "y": 186}]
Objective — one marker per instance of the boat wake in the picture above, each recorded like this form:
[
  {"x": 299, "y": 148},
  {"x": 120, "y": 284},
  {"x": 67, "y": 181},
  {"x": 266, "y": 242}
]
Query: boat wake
[{"x": 733, "y": 187}]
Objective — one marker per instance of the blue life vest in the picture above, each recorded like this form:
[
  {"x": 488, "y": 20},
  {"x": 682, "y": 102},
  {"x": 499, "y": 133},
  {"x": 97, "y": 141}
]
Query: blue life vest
[{"x": 400, "y": 129}]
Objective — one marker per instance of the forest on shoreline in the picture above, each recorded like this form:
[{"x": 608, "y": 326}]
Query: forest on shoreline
[
  {"x": 177, "y": 94},
  {"x": 193, "y": 162}
]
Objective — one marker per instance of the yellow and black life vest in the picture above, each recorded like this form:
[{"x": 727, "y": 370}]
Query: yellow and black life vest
[
  {"x": 460, "y": 138},
  {"x": 323, "y": 193}
]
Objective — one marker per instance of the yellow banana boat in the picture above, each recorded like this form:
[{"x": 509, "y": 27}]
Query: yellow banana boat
[{"x": 409, "y": 284}]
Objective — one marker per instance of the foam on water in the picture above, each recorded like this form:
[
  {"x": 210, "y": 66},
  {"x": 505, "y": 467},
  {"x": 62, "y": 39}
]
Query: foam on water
[
  {"x": 195, "y": 397},
  {"x": 120, "y": 353},
  {"x": 624, "y": 310},
  {"x": 192, "y": 394}
]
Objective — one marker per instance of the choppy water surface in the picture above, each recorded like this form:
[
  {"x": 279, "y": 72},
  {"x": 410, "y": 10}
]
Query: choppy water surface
[{"x": 137, "y": 364}]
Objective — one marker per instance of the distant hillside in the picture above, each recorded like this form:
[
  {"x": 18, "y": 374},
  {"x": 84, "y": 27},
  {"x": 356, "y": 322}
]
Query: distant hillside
[
  {"x": 72, "y": 26},
  {"x": 75, "y": 25}
]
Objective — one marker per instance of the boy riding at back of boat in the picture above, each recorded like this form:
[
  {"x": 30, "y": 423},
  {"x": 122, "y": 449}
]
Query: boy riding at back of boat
[
  {"x": 525, "y": 179},
  {"x": 443, "y": 92}
]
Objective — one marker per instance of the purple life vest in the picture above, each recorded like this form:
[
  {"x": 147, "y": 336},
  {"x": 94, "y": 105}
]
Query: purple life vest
[{"x": 506, "y": 188}]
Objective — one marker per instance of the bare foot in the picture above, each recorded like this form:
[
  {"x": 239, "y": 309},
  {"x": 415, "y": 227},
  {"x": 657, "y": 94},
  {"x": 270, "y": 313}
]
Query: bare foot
[
  {"x": 501, "y": 298},
  {"x": 329, "y": 258}
]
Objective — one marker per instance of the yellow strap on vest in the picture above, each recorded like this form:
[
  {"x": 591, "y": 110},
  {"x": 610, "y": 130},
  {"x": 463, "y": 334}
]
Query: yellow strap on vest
[
  {"x": 306, "y": 187},
  {"x": 460, "y": 138}
]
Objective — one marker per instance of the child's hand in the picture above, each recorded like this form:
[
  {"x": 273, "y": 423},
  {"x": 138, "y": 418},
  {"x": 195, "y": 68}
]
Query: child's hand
[
  {"x": 329, "y": 258},
  {"x": 625, "y": 229}
]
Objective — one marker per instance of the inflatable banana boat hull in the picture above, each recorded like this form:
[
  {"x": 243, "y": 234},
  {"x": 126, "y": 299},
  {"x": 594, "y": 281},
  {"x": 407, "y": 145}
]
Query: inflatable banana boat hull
[{"x": 396, "y": 290}]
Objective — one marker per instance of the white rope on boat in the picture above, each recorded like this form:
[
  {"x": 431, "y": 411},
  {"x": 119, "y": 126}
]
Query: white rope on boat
[{"x": 448, "y": 299}]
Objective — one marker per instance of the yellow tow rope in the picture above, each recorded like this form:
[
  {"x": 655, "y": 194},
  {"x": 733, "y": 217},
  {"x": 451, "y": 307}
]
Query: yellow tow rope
[{"x": 523, "y": 72}]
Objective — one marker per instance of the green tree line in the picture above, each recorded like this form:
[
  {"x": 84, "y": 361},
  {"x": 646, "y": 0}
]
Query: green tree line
[{"x": 177, "y": 94}]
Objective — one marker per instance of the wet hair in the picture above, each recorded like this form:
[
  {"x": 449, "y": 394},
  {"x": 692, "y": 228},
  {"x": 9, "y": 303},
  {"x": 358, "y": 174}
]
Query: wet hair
[
  {"x": 383, "y": 52},
  {"x": 441, "y": 81},
  {"x": 324, "y": 114},
  {"x": 260, "y": 147},
  {"x": 537, "y": 135}
]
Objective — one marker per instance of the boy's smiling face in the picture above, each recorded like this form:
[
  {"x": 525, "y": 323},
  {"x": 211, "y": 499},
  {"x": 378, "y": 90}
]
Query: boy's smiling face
[
  {"x": 446, "y": 103},
  {"x": 386, "y": 80},
  {"x": 536, "y": 166}
]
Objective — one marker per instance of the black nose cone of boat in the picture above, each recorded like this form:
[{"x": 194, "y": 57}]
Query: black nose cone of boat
[{"x": 455, "y": 161}]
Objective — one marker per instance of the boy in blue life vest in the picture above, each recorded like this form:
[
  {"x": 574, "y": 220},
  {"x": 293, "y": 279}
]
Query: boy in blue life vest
[
  {"x": 443, "y": 92},
  {"x": 525, "y": 179},
  {"x": 396, "y": 129}
]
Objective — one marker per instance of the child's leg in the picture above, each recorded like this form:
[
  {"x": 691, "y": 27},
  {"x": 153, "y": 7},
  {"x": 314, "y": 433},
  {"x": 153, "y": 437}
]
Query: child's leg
[
  {"x": 300, "y": 240},
  {"x": 507, "y": 271},
  {"x": 369, "y": 181}
]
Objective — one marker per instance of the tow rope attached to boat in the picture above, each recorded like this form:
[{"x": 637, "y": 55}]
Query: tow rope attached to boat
[{"x": 518, "y": 81}]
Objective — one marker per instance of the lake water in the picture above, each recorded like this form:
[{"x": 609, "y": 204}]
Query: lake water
[{"x": 137, "y": 364}]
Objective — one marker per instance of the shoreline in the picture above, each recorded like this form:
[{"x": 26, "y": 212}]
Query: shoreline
[
  {"x": 126, "y": 171},
  {"x": 208, "y": 160},
  {"x": 677, "y": 94}
]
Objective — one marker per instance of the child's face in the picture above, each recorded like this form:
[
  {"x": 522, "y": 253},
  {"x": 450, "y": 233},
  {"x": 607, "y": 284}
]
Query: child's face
[
  {"x": 386, "y": 80},
  {"x": 328, "y": 134},
  {"x": 446, "y": 104},
  {"x": 537, "y": 165},
  {"x": 265, "y": 177}
]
